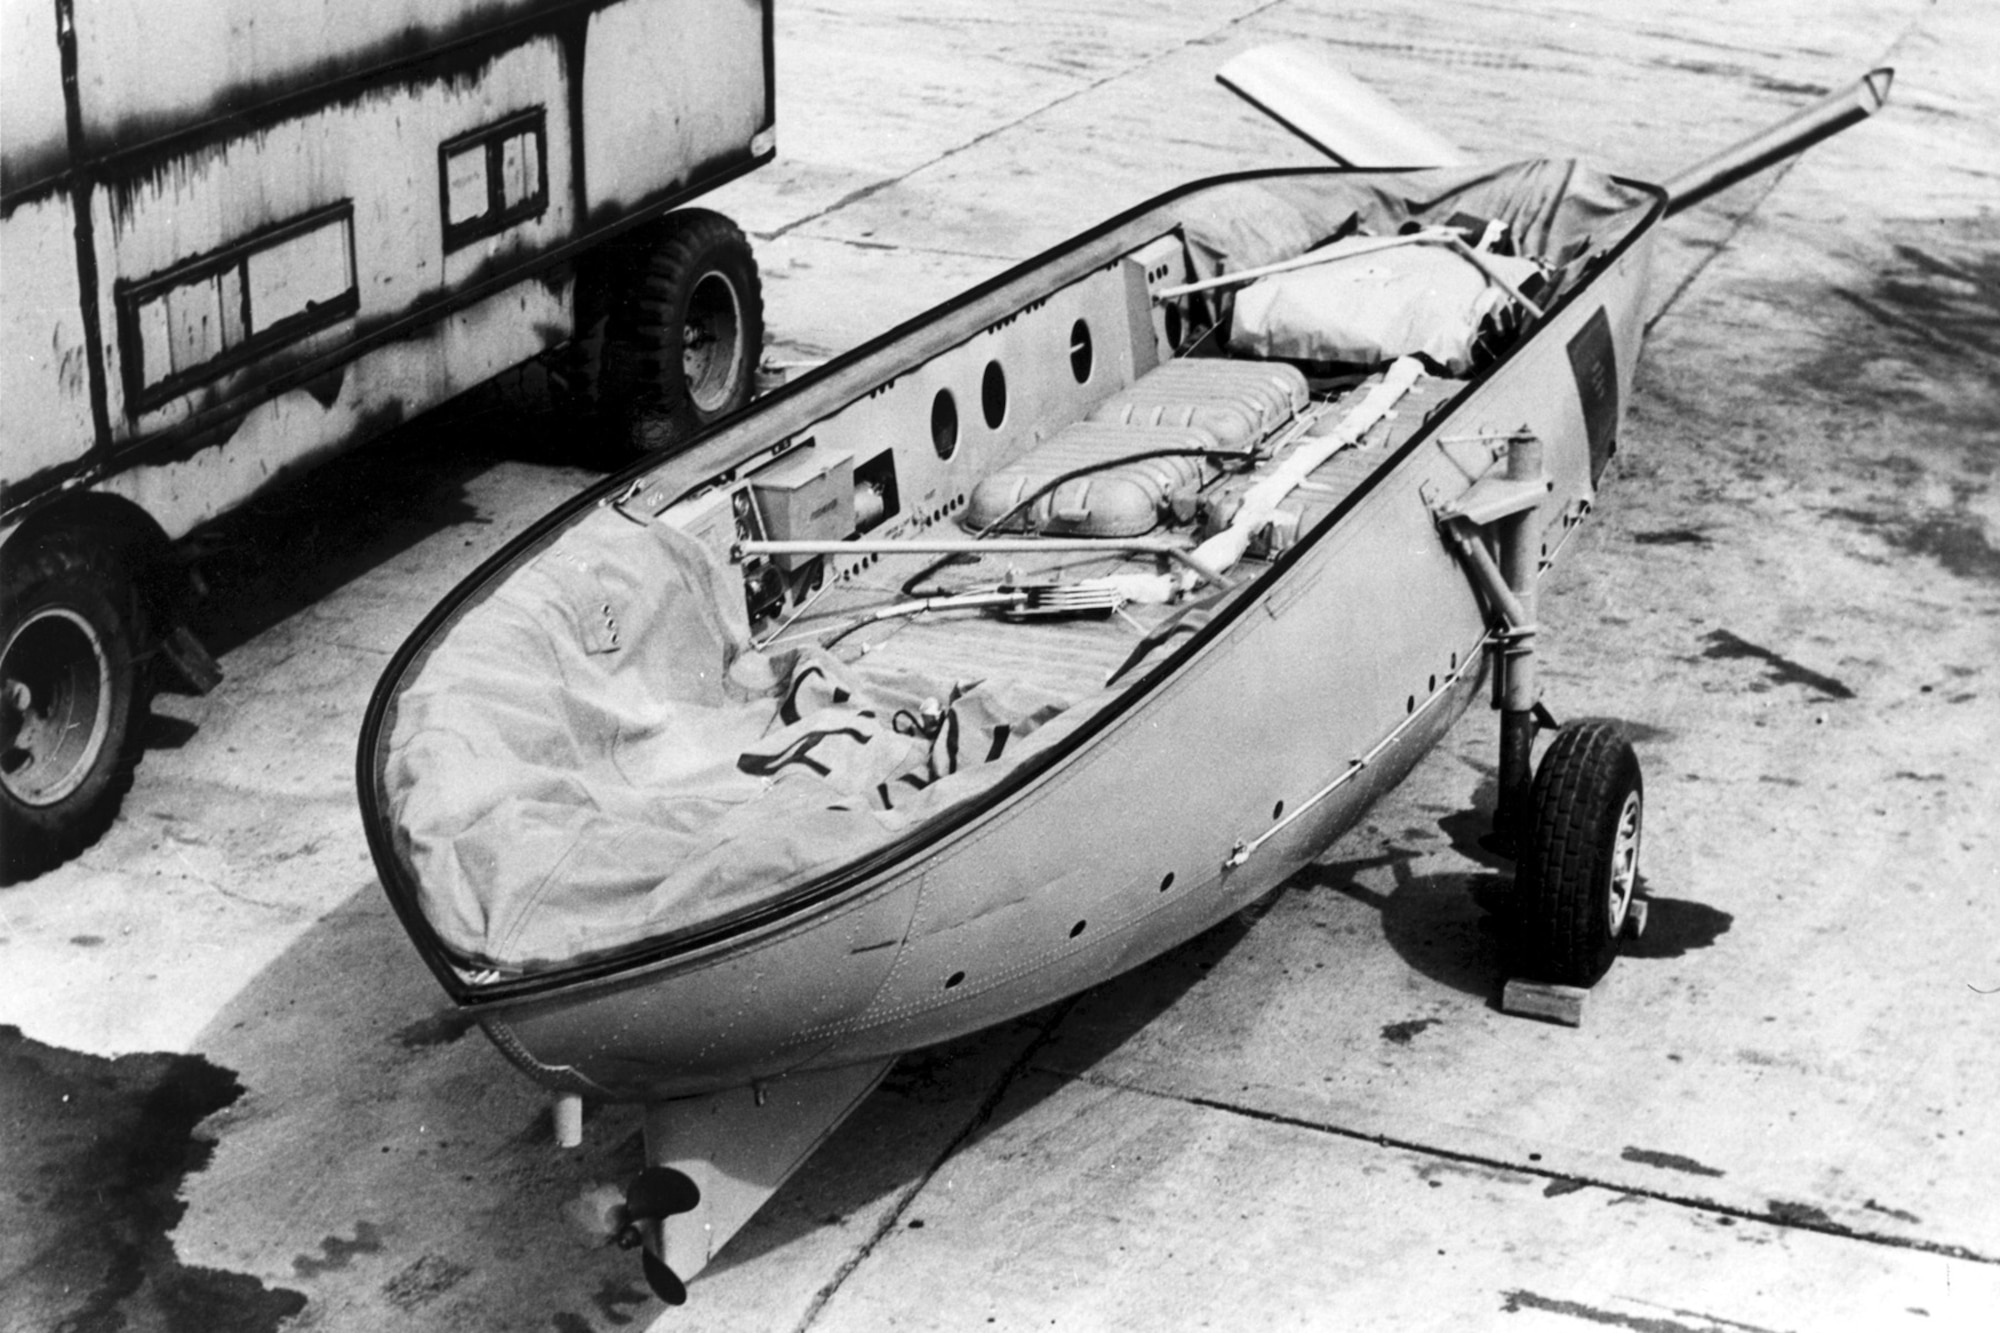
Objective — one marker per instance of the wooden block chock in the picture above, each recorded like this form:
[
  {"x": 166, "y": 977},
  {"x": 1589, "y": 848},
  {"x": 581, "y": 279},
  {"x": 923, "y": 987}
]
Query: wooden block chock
[{"x": 1537, "y": 999}]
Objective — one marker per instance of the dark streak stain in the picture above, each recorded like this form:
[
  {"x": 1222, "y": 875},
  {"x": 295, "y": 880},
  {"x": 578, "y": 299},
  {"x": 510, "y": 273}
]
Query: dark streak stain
[
  {"x": 1803, "y": 1215},
  {"x": 1896, "y": 1213},
  {"x": 1555, "y": 1189},
  {"x": 1517, "y": 1301},
  {"x": 96, "y": 1188},
  {"x": 1671, "y": 537},
  {"x": 1667, "y": 1161},
  {"x": 1724, "y": 646},
  {"x": 87, "y": 941},
  {"x": 423, "y": 1282},
  {"x": 339, "y": 1251},
  {"x": 1400, "y": 1033}
]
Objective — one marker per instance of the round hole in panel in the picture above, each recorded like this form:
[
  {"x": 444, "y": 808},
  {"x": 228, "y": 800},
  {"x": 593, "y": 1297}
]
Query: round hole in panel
[
  {"x": 1080, "y": 354},
  {"x": 944, "y": 424},
  {"x": 993, "y": 395}
]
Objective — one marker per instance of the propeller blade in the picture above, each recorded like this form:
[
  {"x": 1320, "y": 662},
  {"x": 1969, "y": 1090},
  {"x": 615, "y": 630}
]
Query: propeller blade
[
  {"x": 661, "y": 1191},
  {"x": 663, "y": 1280}
]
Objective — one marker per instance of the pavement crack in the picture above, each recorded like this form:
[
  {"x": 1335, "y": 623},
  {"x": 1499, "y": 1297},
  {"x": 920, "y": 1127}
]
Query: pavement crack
[{"x": 1793, "y": 1217}]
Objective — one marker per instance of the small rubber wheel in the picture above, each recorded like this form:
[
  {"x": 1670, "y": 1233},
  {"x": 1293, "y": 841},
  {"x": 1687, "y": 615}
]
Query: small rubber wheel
[
  {"x": 1579, "y": 864},
  {"x": 70, "y": 688},
  {"x": 682, "y": 337}
]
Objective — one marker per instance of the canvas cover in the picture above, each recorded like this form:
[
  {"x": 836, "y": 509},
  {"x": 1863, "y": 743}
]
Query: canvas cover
[{"x": 601, "y": 756}]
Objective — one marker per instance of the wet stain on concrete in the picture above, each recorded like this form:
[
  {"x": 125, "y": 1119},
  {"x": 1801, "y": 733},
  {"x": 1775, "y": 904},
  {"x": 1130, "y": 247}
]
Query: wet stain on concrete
[
  {"x": 337, "y": 1252},
  {"x": 1668, "y": 1161},
  {"x": 1517, "y": 1301},
  {"x": 1676, "y": 927},
  {"x": 1399, "y": 1034},
  {"x": 440, "y": 1029},
  {"x": 1955, "y": 538},
  {"x": 1724, "y": 646},
  {"x": 1671, "y": 537},
  {"x": 423, "y": 1282},
  {"x": 97, "y": 1189}
]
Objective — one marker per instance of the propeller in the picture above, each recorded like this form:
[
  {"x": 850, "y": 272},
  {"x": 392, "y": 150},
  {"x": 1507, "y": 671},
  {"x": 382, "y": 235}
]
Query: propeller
[{"x": 655, "y": 1194}]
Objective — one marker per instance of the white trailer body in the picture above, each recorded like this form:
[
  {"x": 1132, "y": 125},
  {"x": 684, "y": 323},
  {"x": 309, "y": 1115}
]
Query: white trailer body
[{"x": 237, "y": 236}]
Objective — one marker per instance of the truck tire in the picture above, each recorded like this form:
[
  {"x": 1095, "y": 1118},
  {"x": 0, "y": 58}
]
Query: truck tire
[
  {"x": 1579, "y": 864},
  {"x": 681, "y": 341},
  {"x": 70, "y": 691}
]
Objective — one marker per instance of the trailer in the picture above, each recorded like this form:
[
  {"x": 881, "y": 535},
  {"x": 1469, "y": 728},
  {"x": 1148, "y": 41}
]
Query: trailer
[{"x": 239, "y": 236}]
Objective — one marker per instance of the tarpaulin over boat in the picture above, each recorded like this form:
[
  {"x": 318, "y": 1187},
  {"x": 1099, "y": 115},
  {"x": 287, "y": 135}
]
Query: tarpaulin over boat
[{"x": 601, "y": 757}]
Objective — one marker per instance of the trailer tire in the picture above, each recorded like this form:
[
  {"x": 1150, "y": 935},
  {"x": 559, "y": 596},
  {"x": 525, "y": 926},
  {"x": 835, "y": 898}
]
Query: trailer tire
[
  {"x": 71, "y": 691},
  {"x": 70, "y": 625},
  {"x": 1579, "y": 864},
  {"x": 682, "y": 339}
]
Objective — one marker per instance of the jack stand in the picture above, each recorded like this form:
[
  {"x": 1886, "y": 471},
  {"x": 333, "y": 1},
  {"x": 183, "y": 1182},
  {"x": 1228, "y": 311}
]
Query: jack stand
[
  {"x": 1511, "y": 504},
  {"x": 1519, "y": 683}
]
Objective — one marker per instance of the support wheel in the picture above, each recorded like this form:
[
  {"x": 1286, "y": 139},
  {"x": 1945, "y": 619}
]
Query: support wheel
[
  {"x": 1579, "y": 862},
  {"x": 682, "y": 338},
  {"x": 70, "y": 689}
]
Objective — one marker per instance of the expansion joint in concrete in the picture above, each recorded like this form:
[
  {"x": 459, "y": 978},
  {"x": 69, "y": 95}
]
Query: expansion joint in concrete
[{"x": 1714, "y": 1207}]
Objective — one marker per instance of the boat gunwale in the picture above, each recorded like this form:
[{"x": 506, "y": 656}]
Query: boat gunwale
[{"x": 716, "y": 459}]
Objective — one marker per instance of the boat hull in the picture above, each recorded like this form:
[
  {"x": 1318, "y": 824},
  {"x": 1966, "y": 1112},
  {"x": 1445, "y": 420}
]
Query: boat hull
[{"x": 1320, "y": 689}]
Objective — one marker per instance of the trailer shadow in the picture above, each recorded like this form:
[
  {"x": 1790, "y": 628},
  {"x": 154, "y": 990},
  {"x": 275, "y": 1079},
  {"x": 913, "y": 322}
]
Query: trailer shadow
[{"x": 299, "y": 542}]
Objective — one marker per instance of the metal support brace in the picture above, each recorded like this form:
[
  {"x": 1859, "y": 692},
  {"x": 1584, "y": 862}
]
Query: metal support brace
[{"x": 1510, "y": 504}]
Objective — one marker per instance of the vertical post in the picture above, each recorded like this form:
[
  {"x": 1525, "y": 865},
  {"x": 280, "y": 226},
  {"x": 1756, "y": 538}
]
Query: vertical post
[{"x": 1519, "y": 686}]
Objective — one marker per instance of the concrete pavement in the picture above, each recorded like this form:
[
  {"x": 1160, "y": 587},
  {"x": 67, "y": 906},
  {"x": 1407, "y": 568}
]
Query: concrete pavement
[{"x": 1776, "y": 1113}]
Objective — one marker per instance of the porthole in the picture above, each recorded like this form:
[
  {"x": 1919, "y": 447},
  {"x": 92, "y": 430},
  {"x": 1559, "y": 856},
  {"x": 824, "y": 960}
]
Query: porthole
[
  {"x": 1079, "y": 351},
  {"x": 944, "y": 424},
  {"x": 993, "y": 395},
  {"x": 1077, "y": 929}
]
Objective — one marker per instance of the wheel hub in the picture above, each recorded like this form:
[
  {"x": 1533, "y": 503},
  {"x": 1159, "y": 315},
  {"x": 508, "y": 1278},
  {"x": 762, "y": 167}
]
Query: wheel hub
[
  {"x": 55, "y": 688},
  {"x": 711, "y": 343},
  {"x": 1625, "y": 861}
]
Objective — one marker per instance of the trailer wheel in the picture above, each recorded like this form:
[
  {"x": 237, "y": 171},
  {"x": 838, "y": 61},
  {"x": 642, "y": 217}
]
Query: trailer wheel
[
  {"x": 681, "y": 342},
  {"x": 1579, "y": 864},
  {"x": 70, "y": 689}
]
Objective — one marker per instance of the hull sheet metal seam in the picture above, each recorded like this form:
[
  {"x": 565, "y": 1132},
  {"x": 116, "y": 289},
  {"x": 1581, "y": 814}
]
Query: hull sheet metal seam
[{"x": 1244, "y": 849}]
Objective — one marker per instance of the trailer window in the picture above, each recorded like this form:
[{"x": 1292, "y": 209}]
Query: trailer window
[
  {"x": 204, "y": 317},
  {"x": 493, "y": 178}
]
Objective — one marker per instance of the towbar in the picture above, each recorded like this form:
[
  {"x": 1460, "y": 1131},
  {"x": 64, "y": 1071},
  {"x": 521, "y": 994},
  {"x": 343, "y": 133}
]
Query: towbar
[{"x": 1828, "y": 116}]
